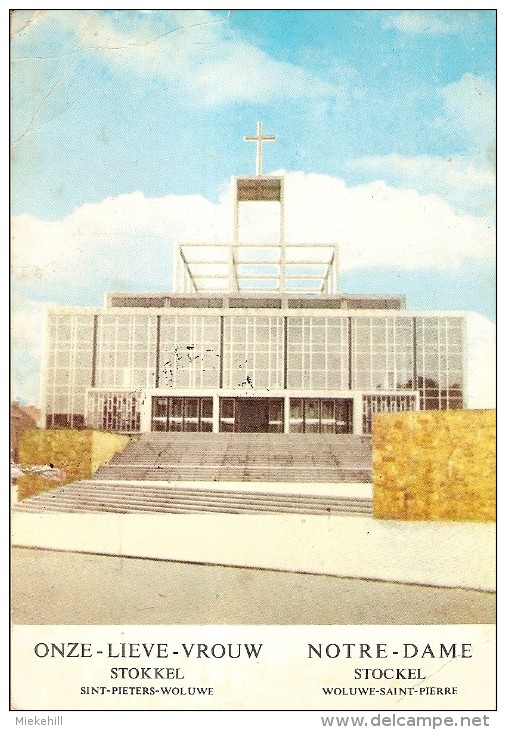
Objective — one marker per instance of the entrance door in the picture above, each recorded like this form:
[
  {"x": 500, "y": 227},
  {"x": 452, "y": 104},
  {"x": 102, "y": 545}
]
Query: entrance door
[
  {"x": 181, "y": 413},
  {"x": 251, "y": 415},
  {"x": 321, "y": 415}
]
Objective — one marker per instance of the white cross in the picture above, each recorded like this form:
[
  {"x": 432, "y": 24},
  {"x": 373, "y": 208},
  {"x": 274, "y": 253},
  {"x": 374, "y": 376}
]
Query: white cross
[{"x": 259, "y": 138}]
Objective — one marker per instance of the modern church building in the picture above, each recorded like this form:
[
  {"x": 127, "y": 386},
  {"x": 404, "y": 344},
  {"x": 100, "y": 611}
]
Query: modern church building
[{"x": 256, "y": 337}]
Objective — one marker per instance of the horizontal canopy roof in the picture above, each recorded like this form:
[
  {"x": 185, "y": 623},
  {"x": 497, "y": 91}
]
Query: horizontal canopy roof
[{"x": 281, "y": 268}]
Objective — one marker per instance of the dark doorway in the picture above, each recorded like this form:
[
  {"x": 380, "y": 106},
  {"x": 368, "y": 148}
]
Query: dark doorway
[{"x": 252, "y": 415}]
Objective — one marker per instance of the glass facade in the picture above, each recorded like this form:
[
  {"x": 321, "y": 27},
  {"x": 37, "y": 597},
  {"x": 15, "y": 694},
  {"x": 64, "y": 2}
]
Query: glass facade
[
  {"x": 189, "y": 352},
  {"x": 126, "y": 351},
  {"x": 253, "y": 352},
  {"x": 317, "y": 353},
  {"x": 439, "y": 362},
  {"x": 382, "y": 352},
  {"x": 313, "y": 359},
  {"x": 379, "y": 403},
  {"x": 69, "y": 367},
  {"x": 321, "y": 415},
  {"x": 114, "y": 411},
  {"x": 181, "y": 413}
]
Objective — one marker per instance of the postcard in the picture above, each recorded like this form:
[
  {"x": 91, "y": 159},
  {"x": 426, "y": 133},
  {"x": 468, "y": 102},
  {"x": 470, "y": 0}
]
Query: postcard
[{"x": 253, "y": 386}]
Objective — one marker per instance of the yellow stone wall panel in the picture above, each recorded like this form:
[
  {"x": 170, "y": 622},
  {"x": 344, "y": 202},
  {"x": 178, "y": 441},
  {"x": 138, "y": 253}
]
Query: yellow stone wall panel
[
  {"x": 77, "y": 453},
  {"x": 435, "y": 465},
  {"x": 104, "y": 446}
]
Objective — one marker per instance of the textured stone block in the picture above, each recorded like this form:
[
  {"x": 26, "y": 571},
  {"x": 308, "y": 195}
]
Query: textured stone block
[
  {"x": 77, "y": 453},
  {"x": 435, "y": 465}
]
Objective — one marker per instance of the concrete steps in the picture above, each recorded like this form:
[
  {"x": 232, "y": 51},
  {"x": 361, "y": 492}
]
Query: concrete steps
[
  {"x": 243, "y": 457},
  {"x": 150, "y": 476},
  {"x": 229, "y": 473},
  {"x": 138, "y": 497}
]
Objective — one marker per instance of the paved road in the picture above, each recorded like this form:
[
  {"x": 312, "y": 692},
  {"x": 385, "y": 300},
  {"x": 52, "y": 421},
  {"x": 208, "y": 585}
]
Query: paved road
[{"x": 52, "y": 587}]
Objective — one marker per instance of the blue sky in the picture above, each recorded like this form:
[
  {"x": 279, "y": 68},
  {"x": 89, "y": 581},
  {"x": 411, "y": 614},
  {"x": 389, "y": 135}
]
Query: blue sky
[{"x": 127, "y": 126}]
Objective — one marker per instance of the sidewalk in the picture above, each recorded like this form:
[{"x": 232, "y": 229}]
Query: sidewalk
[
  {"x": 51, "y": 587},
  {"x": 446, "y": 554}
]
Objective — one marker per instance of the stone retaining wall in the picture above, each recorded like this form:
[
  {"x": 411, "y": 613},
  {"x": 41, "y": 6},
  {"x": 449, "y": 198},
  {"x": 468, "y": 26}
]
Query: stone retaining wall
[
  {"x": 77, "y": 453},
  {"x": 435, "y": 465}
]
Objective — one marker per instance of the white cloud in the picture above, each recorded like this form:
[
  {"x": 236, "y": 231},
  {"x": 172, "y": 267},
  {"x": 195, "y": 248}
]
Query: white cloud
[
  {"x": 430, "y": 22},
  {"x": 200, "y": 52},
  {"x": 376, "y": 224},
  {"x": 455, "y": 179},
  {"x": 107, "y": 237}
]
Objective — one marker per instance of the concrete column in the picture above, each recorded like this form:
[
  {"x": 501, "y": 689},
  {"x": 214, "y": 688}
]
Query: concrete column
[
  {"x": 216, "y": 414},
  {"x": 286, "y": 414},
  {"x": 175, "y": 272},
  {"x": 357, "y": 414},
  {"x": 145, "y": 401},
  {"x": 282, "y": 245}
]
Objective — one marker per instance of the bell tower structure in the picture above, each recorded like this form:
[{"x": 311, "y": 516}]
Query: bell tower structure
[{"x": 248, "y": 266}]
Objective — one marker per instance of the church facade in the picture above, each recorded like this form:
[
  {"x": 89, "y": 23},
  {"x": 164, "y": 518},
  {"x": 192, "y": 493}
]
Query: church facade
[{"x": 256, "y": 337}]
